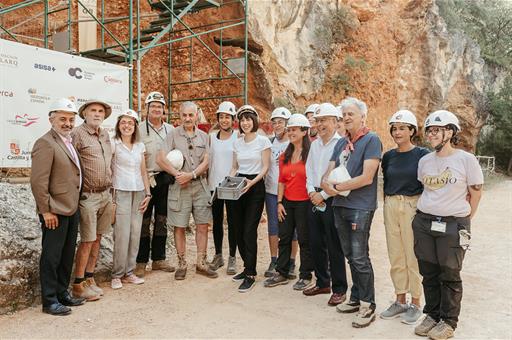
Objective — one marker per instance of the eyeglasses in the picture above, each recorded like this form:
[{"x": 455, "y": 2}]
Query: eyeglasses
[
  {"x": 434, "y": 131},
  {"x": 190, "y": 145}
]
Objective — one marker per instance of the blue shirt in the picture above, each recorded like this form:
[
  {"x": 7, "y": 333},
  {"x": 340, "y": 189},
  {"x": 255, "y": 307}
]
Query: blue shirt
[
  {"x": 400, "y": 170},
  {"x": 367, "y": 147}
]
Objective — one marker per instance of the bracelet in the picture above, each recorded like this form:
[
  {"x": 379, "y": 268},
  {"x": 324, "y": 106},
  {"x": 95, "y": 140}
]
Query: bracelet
[
  {"x": 149, "y": 195},
  {"x": 194, "y": 174}
]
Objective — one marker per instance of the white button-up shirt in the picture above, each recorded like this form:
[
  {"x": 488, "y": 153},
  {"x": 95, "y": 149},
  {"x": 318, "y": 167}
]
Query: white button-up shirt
[
  {"x": 126, "y": 169},
  {"x": 318, "y": 162}
]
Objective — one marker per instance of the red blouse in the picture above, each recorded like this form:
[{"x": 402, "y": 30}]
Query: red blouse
[{"x": 293, "y": 176}]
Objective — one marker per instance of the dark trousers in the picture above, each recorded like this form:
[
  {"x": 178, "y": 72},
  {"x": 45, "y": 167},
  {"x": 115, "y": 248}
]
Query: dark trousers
[
  {"x": 326, "y": 249},
  {"x": 154, "y": 244},
  {"x": 218, "y": 227},
  {"x": 246, "y": 212},
  {"x": 57, "y": 255},
  {"x": 295, "y": 220},
  {"x": 353, "y": 227},
  {"x": 440, "y": 262}
]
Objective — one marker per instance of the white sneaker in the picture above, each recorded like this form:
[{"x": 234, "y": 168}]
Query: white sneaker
[
  {"x": 116, "y": 284},
  {"x": 132, "y": 278}
]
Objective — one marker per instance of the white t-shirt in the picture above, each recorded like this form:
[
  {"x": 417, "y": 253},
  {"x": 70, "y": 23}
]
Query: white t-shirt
[
  {"x": 248, "y": 155},
  {"x": 446, "y": 181},
  {"x": 220, "y": 158},
  {"x": 272, "y": 176},
  {"x": 126, "y": 170}
]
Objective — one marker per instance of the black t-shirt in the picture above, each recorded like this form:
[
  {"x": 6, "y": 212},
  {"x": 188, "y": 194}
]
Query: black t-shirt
[{"x": 400, "y": 170}]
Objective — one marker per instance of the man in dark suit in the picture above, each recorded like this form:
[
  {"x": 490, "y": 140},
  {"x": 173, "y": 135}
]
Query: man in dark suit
[{"x": 55, "y": 181}]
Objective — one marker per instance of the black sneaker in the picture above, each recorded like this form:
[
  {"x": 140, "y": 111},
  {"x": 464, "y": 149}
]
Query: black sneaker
[
  {"x": 275, "y": 280},
  {"x": 246, "y": 285},
  {"x": 238, "y": 277}
]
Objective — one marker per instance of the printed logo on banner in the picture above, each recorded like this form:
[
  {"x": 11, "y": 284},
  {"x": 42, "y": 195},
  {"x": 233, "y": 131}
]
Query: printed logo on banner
[
  {"x": 23, "y": 120},
  {"x": 111, "y": 80},
  {"x": 8, "y": 60},
  {"x": 35, "y": 97},
  {"x": 44, "y": 67},
  {"x": 79, "y": 73},
  {"x": 16, "y": 153},
  {"x": 6, "y": 93}
]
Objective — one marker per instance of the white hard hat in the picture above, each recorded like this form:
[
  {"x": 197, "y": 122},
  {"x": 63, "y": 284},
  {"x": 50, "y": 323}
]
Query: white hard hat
[
  {"x": 311, "y": 108},
  {"x": 340, "y": 110},
  {"x": 246, "y": 108},
  {"x": 442, "y": 118},
  {"x": 155, "y": 96},
  {"x": 338, "y": 175},
  {"x": 63, "y": 104},
  {"x": 129, "y": 113},
  {"x": 175, "y": 157},
  {"x": 327, "y": 110},
  {"x": 299, "y": 120},
  {"x": 227, "y": 107},
  {"x": 281, "y": 112},
  {"x": 405, "y": 117}
]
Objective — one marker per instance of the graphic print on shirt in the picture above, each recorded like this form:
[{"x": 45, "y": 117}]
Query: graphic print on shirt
[{"x": 435, "y": 182}]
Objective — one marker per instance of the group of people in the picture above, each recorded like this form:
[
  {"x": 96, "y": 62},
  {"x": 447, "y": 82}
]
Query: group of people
[{"x": 317, "y": 178}]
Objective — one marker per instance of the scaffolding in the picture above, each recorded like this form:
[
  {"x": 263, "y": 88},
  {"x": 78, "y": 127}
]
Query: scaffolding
[{"x": 167, "y": 27}]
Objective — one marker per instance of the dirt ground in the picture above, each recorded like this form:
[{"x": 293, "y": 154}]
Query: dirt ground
[{"x": 203, "y": 308}]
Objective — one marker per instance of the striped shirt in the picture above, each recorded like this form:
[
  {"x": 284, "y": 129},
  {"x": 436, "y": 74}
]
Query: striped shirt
[{"x": 95, "y": 153}]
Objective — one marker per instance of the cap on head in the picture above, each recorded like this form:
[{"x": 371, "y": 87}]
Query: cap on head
[
  {"x": 155, "y": 96},
  {"x": 62, "y": 104},
  {"x": 442, "y": 118},
  {"x": 326, "y": 110},
  {"x": 298, "y": 120},
  {"x": 227, "y": 107},
  {"x": 108, "y": 109},
  {"x": 281, "y": 112},
  {"x": 246, "y": 109},
  {"x": 311, "y": 108},
  {"x": 404, "y": 117}
]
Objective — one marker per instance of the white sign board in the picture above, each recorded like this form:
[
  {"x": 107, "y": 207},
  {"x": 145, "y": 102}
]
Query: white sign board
[{"x": 32, "y": 77}]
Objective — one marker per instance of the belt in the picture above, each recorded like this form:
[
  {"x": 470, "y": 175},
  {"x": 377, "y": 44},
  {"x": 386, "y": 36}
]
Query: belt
[
  {"x": 441, "y": 218},
  {"x": 95, "y": 190}
]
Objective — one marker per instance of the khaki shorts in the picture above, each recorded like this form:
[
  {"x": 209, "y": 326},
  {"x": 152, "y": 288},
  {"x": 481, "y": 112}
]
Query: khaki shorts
[
  {"x": 95, "y": 214},
  {"x": 186, "y": 200}
]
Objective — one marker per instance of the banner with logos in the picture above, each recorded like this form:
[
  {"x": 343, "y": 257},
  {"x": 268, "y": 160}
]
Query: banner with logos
[{"x": 32, "y": 77}]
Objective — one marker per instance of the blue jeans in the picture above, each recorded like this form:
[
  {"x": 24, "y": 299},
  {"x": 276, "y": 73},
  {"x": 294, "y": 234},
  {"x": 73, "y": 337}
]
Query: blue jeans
[{"x": 353, "y": 227}]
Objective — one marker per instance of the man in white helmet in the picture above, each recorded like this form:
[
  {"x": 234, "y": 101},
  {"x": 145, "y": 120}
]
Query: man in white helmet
[
  {"x": 279, "y": 119},
  {"x": 221, "y": 160},
  {"x": 153, "y": 132},
  {"x": 310, "y": 111},
  {"x": 56, "y": 180}
]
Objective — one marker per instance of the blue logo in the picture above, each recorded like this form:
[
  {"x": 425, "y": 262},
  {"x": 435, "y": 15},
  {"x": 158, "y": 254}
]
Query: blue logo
[{"x": 44, "y": 67}]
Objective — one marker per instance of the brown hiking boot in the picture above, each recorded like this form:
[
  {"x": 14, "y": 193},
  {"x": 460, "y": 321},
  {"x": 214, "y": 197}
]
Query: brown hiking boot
[
  {"x": 92, "y": 284},
  {"x": 83, "y": 290},
  {"x": 181, "y": 272},
  {"x": 162, "y": 265},
  {"x": 203, "y": 268},
  {"x": 140, "y": 269}
]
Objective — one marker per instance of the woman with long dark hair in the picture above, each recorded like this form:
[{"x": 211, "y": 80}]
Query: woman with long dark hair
[{"x": 292, "y": 204}]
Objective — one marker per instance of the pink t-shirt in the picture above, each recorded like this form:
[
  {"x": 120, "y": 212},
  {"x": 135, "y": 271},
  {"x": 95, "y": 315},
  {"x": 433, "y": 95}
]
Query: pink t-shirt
[{"x": 446, "y": 181}]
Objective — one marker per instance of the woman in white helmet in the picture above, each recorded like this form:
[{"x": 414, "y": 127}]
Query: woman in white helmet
[
  {"x": 452, "y": 181},
  {"x": 251, "y": 158},
  {"x": 221, "y": 159},
  {"x": 401, "y": 193},
  {"x": 292, "y": 205},
  {"x": 279, "y": 119},
  {"x": 131, "y": 196}
]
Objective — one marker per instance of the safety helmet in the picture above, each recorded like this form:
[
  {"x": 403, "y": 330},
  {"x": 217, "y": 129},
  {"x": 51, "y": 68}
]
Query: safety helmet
[
  {"x": 311, "y": 108},
  {"x": 108, "y": 109},
  {"x": 299, "y": 120},
  {"x": 129, "y": 113},
  {"x": 327, "y": 110},
  {"x": 227, "y": 107},
  {"x": 405, "y": 117},
  {"x": 175, "y": 157},
  {"x": 155, "y": 96},
  {"x": 340, "y": 110},
  {"x": 281, "y": 112},
  {"x": 248, "y": 109},
  {"x": 62, "y": 104},
  {"x": 442, "y": 118}
]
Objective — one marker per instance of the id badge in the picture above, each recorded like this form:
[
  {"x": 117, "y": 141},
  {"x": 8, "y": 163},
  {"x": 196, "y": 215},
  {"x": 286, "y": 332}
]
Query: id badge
[{"x": 438, "y": 226}]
